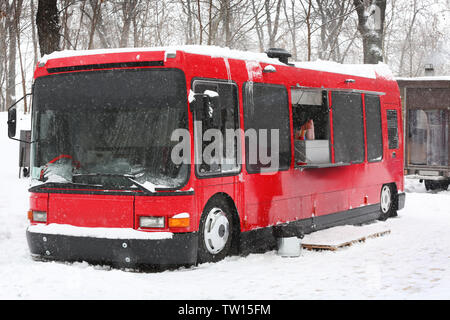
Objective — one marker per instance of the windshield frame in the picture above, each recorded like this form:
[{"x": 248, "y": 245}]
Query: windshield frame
[{"x": 35, "y": 123}]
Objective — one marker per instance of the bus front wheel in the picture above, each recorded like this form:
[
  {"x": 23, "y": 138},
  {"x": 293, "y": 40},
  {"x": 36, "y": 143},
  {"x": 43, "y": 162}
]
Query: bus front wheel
[
  {"x": 215, "y": 232},
  {"x": 387, "y": 202}
]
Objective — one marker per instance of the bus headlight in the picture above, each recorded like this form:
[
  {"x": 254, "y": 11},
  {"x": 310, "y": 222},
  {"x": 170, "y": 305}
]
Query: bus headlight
[
  {"x": 151, "y": 222},
  {"x": 39, "y": 216}
]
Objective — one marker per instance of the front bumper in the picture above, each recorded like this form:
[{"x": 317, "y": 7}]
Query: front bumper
[{"x": 181, "y": 249}]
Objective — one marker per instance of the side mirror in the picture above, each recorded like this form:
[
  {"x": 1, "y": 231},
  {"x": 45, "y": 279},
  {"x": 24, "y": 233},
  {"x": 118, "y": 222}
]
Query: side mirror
[
  {"x": 212, "y": 102},
  {"x": 202, "y": 104},
  {"x": 197, "y": 104},
  {"x": 12, "y": 122}
]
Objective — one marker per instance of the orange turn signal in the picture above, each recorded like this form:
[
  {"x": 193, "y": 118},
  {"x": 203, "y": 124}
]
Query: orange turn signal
[
  {"x": 30, "y": 215},
  {"x": 179, "y": 222}
]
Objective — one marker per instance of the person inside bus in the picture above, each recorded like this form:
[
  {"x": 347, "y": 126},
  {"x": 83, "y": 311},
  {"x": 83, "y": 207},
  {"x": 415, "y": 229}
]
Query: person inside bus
[{"x": 306, "y": 131}]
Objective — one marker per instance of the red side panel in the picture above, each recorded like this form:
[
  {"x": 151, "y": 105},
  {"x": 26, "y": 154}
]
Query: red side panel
[{"x": 83, "y": 210}]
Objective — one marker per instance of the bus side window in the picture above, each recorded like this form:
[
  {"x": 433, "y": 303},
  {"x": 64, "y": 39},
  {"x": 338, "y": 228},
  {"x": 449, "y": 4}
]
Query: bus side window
[
  {"x": 309, "y": 106},
  {"x": 221, "y": 114},
  {"x": 348, "y": 127},
  {"x": 266, "y": 116},
  {"x": 392, "y": 129},
  {"x": 373, "y": 127},
  {"x": 310, "y": 121}
]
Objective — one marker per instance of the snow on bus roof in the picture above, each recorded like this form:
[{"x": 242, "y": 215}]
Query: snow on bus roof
[
  {"x": 213, "y": 51},
  {"x": 360, "y": 70}
]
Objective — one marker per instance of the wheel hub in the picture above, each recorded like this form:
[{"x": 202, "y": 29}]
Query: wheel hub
[
  {"x": 216, "y": 231},
  {"x": 385, "y": 199}
]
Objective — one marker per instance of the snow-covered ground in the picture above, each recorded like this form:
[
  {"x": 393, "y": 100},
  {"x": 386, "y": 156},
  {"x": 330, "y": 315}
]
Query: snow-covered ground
[{"x": 412, "y": 262}]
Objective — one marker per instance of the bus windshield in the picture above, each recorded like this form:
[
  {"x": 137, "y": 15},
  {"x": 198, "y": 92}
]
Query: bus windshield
[{"x": 114, "y": 122}]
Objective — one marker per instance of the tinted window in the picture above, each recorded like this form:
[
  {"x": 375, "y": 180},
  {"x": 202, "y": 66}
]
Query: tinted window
[
  {"x": 348, "y": 128},
  {"x": 266, "y": 115},
  {"x": 115, "y": 122},
  {"x": 222, "y": 114},
  {"x": 373, "y": 128},
  {"x": 392, "y": 129}
]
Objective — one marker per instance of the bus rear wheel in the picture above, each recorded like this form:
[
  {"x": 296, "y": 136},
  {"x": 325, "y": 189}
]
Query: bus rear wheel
[
  {"x": 215, "y": 232},
  {"x": 387, "y": 203}
]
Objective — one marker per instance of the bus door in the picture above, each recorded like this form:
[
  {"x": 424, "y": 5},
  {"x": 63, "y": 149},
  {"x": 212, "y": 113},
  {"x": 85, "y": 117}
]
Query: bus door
[{"x": 217, "y": 137}]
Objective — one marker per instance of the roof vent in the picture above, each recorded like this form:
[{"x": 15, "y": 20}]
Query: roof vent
[
  {"x": 279, "y": 53},
  {"x": 429, "y": 70}
]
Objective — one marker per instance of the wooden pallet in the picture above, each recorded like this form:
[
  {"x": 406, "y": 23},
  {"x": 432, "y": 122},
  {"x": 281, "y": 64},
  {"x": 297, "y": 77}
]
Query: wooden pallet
[{"x": 316, "y": 243}]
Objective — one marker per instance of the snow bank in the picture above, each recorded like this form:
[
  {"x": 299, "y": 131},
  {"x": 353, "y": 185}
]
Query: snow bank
[
  {"x": 343, "y": 234},
  {"x": 413, "y": 185}
]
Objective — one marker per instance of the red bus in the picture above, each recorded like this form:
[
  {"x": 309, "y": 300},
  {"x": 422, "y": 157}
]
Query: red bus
[{"x": 106, "y": 188}]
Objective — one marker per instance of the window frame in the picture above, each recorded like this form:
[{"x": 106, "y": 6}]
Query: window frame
[
  {"x": 289, "y": 125},
  {"x": 198, "y": 174},
  {"x": 381, "y": 127},
  {"x": 391, "y": 110},
  {"x": 333, "y": 117}
]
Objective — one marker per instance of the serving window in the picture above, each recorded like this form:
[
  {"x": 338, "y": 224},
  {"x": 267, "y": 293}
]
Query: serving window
[
  {"x": 324, "y": 128},
  {"x": 348, "y": 127},
  {"x": 311, "y": 127}
]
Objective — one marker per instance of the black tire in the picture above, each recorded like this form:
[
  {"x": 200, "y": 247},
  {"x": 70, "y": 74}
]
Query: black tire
[
  {"x": 215, "y": 231},
  {"x": 388, "y": 208},
  {"x": 446, "y": 184},
  {"x": 438, "y": 185}
]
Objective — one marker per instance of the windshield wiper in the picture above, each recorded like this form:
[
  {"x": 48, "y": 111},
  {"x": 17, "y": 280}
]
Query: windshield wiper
[
  {"x": 63, "y": 185},
  {"x": 114, "y": 181}
]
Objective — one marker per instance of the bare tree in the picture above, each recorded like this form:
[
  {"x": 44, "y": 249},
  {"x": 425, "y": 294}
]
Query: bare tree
[
  {"x": 33, "y": 32},
  {"x": 129, "y": 13},
  {"x": 371, "y": 15},
  {"x": 47, "y": 22},
  {"x": 307, "y": 9},
  {"x": 271, "y": 22},
  {"x": 333, "y": 16},
  {"x": 13, "y": 12}
]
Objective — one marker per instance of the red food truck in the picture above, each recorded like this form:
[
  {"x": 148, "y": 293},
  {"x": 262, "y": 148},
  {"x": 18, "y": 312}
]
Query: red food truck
[{"x": 185, "y": 155}]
